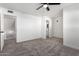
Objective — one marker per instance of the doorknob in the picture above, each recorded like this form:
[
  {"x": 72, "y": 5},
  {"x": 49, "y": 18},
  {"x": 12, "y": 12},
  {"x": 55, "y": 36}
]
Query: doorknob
[{"x": 1, "y": 31}]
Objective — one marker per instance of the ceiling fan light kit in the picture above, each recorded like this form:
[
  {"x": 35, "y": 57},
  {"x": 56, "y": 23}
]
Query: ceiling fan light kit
[{"x": 46, "y": 5}]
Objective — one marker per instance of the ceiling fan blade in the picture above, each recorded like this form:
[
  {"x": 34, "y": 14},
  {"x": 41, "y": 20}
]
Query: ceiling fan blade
[
  {"x": 47, "y": 9},
  {"x": 52, "y": 3},
  {"x": 39, "y": 7}
]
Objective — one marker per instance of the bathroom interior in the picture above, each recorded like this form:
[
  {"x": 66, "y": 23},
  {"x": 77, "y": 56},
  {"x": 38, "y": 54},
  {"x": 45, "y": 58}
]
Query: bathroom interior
[{"x": 9, "y": 27}]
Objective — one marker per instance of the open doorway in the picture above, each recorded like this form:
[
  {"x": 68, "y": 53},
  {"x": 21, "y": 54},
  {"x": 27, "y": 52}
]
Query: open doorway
[
  {"x": 47, "y": 29},
  {"x": 9, "y": 27}
]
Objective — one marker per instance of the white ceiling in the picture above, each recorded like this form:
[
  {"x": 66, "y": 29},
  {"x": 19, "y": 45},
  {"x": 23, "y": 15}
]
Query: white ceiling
[{"x": 30, "y": 8}]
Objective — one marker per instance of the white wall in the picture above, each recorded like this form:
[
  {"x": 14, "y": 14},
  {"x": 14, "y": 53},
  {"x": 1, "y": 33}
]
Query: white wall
[
  {"x": 71, "y": 26},
  {"x": 57, "y": 30},
  {"x": 28, "y": 27},
  {"x": 43, "y": 27}
]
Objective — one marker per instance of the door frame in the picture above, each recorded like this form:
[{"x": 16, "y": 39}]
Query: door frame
[{"x": 2, "y": 18}]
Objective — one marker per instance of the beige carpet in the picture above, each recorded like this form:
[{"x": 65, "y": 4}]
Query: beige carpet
[{"x": 38, "y": 47}]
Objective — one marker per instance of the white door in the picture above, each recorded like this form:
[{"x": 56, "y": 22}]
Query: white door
[{"x": 2, "y": 30}]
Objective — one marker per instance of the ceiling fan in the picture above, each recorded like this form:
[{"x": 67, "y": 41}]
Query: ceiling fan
[{"x": 46, "y": 5}]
